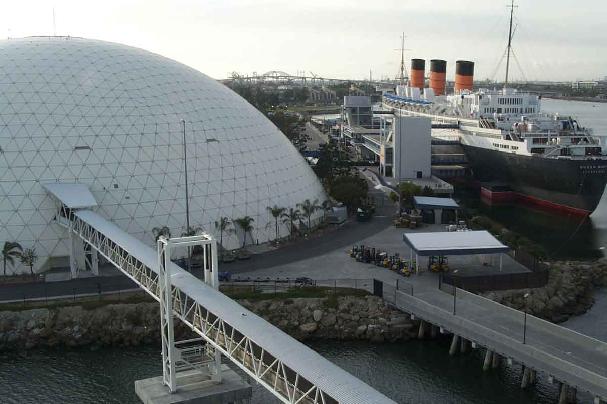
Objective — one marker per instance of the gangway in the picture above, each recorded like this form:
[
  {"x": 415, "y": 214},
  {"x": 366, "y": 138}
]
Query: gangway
[{"x": 287, "y": 368}]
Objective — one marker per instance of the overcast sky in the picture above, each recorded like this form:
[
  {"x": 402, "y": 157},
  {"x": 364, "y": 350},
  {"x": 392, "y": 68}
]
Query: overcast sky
[{"x": 554, "y": 39}]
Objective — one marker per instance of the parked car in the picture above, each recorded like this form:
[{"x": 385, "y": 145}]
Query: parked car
[
  {"x": 224, "y": 276},
  {"x": 305, "y": 281}
]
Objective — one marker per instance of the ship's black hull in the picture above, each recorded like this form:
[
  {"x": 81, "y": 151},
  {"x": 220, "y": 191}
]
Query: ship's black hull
[{"x": 574, "y": 184}]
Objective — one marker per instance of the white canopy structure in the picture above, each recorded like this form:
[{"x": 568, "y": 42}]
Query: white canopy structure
[{"x": 454, "y": 243}]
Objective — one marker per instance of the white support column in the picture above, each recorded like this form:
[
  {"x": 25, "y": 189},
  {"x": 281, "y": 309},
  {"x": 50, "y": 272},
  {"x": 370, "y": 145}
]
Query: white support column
[
  {"x": 94, "y": 262},
  {"x": 166, "y": 314},
  {"x": 438, "y": 216},
  {"x": 71, "y": 241},
  {"x": 214, "y": 282},
  {"x": 416, "y": 264}
]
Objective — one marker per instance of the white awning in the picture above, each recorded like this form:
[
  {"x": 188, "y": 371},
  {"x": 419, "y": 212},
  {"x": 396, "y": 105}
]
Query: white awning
[
  {"x": 431, "y": 202},
  {"x": 454, "y": 243},
  {"x": 73, "y": 196}
]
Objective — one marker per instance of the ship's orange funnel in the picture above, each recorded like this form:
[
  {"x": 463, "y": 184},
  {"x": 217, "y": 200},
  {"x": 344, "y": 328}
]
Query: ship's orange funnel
[
  {"x": 464, "y": 75},
  {"x": 418, "y": 67},
  {"x": 438, "y": 76}
]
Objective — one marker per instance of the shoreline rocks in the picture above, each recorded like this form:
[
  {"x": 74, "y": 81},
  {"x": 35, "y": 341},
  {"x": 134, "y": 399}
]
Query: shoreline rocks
[
  {"x": 132, "y": 324},
  {"x": 569, "y": 291}
]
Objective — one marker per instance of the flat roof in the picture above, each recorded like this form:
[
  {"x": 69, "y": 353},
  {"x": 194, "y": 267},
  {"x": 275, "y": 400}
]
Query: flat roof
[
  {"x": 454, "y": 243},
  {"x": 71, "y": 195},
  {"x": 323, "y": 373},
  {"x": 431, "y": 202}
]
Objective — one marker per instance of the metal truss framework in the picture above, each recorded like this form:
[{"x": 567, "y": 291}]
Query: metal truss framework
[{"x": 256, "y": 360}]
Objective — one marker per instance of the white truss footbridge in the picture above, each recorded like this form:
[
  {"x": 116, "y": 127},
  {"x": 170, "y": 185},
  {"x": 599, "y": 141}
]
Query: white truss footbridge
[{"x": 290, "y": 370}]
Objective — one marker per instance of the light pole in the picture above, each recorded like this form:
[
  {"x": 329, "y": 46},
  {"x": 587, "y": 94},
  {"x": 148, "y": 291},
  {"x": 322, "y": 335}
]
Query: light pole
[
  {"x": 525, "y": 296},
  {"x": 454, "y": 291},
  {"x": 187, "y": 196}
]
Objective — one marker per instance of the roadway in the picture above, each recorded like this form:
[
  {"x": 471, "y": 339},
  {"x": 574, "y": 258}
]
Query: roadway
[{"x": 317, "y": 138}]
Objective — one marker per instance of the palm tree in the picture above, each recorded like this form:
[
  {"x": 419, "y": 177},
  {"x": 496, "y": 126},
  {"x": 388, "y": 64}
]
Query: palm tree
[
  {"x": 326, "y": 206},
  {"x": 10, "y": 251},
  {"x": 245, "y": 224},
  {"x": 161, "y": 231},
  {"x": 308, "y": 208},
  {"x": 276, "y": 212},
  {"x": 29, "y": 258},
  {"x": 290, "y": 217},
  {"x": 191, "y": 231},
  {"x": 222, "y": 226}
]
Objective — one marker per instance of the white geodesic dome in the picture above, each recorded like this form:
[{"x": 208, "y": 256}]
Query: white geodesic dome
[{"x": 110, "y": 116}]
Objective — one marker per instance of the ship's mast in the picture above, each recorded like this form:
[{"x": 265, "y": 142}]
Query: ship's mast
[
  {"x": 402, "y": 60},
  {"x": 512, "y": 6}
]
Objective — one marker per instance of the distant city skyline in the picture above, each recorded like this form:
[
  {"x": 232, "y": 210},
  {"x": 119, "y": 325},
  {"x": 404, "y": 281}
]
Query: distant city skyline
[{"x": 556, "y": 41}]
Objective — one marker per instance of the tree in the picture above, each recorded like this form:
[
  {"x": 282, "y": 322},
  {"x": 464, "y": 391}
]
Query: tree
[
  {"x": 326, "y": 207},
  {"x": 191, "y": 231},
  {"x": 290, "y": 217},
  {"x": 308, "y": 208},
  {"x": 222, "y": 226},
  {"x": 10, "y": 251},
  {"x": 245, "y": 223},
  {"x": 349, "y": 189},
  {"x": 407, "y": 191},
  {"x": 292, "y": 126},
  {"x": 29, "y": 258},
  {"x": 276, "y": 211},
  {"x": 161, "y": 231}
]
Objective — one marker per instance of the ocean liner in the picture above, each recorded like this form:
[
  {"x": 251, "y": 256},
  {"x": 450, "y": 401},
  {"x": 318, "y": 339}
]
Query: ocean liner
[{"x": 514, "y": 149}]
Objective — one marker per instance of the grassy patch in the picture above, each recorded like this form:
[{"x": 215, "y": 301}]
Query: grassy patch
[
  {"x": 87, "y": 303},
  {"x": 247, "y": 292}
]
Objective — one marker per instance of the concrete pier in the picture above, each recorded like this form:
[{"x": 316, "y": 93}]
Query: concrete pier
[
  {"x": 488, "y": 360},
  {"x": 454, "y": 345},
  {"x": 495, "y": 362},
  {"x": 421, "y": 332},
  {"x": 527, "y": 377},
  {"x": 564, "y": 394},
  {"x": 433, "y": 331},
  {"x": 195, "y": 387},
  {"x": 463, "y": 348}
]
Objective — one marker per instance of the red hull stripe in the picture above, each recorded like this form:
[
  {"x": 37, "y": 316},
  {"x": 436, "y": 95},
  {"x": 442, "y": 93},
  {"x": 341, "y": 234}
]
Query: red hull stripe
[{"x": 511, "y": 196}]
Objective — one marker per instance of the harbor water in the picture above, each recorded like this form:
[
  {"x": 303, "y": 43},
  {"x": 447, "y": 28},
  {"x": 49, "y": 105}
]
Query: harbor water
[{"x": 408, "y": 372}]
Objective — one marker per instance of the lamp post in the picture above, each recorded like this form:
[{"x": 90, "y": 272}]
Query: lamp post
[
  {"x": 187, "y": 195},
  {"x": 525, "y": 296},
  {"x": 454, "y": 291}
]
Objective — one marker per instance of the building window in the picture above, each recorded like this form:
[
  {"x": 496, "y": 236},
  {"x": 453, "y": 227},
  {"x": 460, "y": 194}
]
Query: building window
[{"x": 419, "y": 174}]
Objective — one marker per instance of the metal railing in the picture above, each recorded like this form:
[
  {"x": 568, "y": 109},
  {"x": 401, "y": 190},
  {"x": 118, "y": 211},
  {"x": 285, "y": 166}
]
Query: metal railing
[{"x": 570, "y": 357}]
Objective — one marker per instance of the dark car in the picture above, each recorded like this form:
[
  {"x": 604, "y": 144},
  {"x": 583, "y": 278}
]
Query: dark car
[
  {"x": 305, "y": 281},
  {"x": 224, "y": 276}
]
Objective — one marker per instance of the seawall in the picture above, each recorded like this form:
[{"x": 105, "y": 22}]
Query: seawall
[{"x": 132, "y": 324}]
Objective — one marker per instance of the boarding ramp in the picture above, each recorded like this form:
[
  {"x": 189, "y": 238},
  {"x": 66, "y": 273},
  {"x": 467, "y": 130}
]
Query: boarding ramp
[{"x": 290, "y": 370}]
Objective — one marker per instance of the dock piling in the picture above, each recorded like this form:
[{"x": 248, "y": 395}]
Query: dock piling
[
  {"x": 454, "y": 345},
  {"x": 488, "y": 360}
]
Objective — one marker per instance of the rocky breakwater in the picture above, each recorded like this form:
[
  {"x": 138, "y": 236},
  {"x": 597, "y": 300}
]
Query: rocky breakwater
[
  {"x": 343, "y": 318},
  {"x": 568, "y": 292},
  {"x": 131, "y": 324},
  {"x": 112, "y": 324}
]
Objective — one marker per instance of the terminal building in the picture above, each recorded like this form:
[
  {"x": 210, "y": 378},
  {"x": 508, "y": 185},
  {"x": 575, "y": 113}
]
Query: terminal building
[{"x": 401, "y": 145}]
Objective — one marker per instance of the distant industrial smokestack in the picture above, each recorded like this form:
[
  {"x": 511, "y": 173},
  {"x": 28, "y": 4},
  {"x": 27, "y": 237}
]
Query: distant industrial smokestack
[
  {"x": 438, "y": 76},
  {"x": 418, "y": 67},
  {"x": 464, "y": 75}
]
